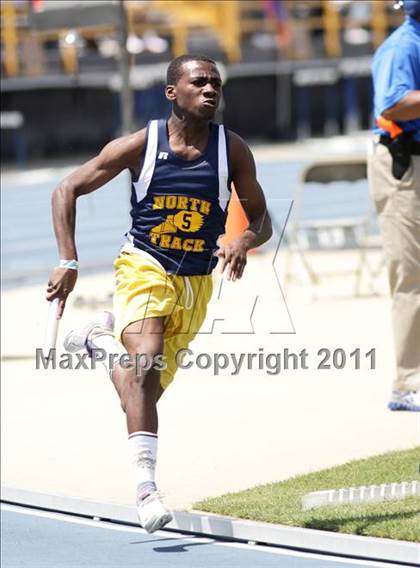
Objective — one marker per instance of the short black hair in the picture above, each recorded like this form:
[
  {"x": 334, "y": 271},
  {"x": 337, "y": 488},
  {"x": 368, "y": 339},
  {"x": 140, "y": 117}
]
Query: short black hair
[{"x": 174, "y": 72}]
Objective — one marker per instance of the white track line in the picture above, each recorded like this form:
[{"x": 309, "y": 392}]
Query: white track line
[
  {"x": 66, "y": 518},
  {"x": 37, "y": 176},
  {"x": 325, "y": 558}
]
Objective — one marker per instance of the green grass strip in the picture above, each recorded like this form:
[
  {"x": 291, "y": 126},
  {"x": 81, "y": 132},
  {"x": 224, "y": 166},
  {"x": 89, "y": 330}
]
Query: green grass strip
[{"x": 281, "y": 502}]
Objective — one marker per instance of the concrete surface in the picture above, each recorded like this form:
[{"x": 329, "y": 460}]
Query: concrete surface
[{"x": 63, "y": 431}]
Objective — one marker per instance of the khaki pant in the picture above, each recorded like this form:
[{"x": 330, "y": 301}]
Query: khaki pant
[{"x": 398, "y": 207}]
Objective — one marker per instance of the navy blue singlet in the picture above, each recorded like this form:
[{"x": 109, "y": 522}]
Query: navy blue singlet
[{"x": 179, "y": 206}]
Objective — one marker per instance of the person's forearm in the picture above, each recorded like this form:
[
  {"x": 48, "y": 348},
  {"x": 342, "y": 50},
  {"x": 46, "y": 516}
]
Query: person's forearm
[
  {"x": 64, "y": 219},
  {"x": 408, "y": 108},
  {"x": 258, "y": 232}
]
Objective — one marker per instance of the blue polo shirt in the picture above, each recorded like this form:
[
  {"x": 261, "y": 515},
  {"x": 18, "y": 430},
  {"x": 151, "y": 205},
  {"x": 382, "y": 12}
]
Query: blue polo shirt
[{"x": 396, "y": 71}]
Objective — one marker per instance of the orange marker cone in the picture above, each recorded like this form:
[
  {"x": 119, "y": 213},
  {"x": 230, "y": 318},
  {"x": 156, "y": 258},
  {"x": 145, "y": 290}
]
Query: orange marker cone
[{"x": 236, "y": 221}]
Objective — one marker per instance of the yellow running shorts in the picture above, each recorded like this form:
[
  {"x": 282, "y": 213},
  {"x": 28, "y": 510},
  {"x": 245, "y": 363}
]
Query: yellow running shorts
[{"x": 144, "y": 290}]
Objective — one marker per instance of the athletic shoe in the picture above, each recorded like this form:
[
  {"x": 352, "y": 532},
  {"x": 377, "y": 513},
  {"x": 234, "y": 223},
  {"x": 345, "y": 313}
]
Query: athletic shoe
[
  {"x": 78, "y": 339},
  {"x": 152, "y": 513},
  {"x": 405, "y": 400}
]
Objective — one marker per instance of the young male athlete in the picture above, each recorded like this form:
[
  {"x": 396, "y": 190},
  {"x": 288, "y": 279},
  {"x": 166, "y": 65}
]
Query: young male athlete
[{"x": 182, "y": 170}]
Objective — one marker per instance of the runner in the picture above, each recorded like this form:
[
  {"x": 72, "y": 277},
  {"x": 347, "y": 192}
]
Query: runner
[{"x": 182, "y": 170}]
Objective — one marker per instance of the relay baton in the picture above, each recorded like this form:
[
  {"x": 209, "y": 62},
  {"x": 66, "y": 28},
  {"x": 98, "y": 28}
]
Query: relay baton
[{"x": 50, "y": 337}]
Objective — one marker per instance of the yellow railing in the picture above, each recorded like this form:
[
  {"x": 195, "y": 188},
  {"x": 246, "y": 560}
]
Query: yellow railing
[
  {"x": 222, "y": 17},
  {"x": 229, "y": 20},
  {"x": 331, "y": 22},
  {"x": 9, "y": 39}
]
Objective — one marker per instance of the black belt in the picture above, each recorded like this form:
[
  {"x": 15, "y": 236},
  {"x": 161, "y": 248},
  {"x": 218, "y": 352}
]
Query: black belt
[{"x": 413, "y": 147}]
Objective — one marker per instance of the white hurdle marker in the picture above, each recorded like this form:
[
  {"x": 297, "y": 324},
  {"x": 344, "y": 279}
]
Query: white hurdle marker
[{"x": 364, "y": 494}]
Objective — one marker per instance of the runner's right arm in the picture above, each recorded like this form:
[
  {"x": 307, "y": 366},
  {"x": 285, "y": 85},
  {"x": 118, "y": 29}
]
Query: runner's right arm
[{"x": 115, "y": 157}]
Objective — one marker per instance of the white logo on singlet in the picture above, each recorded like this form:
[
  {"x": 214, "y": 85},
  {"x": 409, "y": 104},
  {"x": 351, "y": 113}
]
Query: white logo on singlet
[{"x": 163, "y": 156}]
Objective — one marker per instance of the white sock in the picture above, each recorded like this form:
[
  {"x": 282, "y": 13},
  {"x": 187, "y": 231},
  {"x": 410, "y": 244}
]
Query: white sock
[{"x": 142, "y": 447}]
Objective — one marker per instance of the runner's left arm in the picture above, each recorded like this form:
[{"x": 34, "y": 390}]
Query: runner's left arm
[{"x": 233, "y": 255}]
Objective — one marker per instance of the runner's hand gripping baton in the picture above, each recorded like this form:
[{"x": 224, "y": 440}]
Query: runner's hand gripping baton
[{"x": 50, "y": 338}]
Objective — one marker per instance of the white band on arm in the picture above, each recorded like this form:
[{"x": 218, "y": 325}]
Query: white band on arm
[{"x": 73, "y": 264}]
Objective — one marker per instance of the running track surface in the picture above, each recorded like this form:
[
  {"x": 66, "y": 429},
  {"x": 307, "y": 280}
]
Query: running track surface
[{"x": 38, "y": 539}]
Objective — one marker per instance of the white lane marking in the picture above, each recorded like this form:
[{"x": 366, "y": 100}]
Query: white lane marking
[
  {"x": 196, "y": 539},
  {"x": 41, "y": 175},
  {"x": 100, "y": 524},
  {"x": 324, "y": 557},
  {"x": 81, "y": 521}
]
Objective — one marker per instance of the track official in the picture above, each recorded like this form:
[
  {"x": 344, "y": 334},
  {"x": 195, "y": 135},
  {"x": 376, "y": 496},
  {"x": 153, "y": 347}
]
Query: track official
[{"x": 394, "y": 177}]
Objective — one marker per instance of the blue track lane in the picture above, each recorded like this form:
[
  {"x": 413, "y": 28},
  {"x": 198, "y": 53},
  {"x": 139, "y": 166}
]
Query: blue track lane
[{"x": 42, "y": 540}]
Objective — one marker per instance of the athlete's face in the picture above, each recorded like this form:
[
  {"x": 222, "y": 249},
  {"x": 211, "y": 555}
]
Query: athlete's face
[{"x": 198, "y": 90}]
